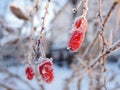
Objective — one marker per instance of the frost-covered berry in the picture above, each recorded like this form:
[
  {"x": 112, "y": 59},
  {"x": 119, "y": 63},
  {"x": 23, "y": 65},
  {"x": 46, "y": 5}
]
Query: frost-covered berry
[
  {"x": 29, "y": 77},
  {"x": 29, "y": 73},
  {"x": 46, "y": 70},
  {"x": 80, "y": 24},
  {"x": 76, "y": 40}
]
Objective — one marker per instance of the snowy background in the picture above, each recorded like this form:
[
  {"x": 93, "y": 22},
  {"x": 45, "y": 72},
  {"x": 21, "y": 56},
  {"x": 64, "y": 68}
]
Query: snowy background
[{"x": 12, "y": 60}]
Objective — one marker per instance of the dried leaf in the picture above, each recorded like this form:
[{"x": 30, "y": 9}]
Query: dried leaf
[
  {"x": 18, "y": 12},
  {"x": 10, "y": 29},
  {"x": 15, "y": 41}
]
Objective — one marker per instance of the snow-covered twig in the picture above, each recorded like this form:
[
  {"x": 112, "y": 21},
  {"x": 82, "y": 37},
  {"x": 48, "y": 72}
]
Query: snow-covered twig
[
  {"x": 40, "y": 40},
  {"x": 106, "y": 52},
  {"x": 85, "y": 7},
  {"x": 44, "y": 17},
  {"x": 85, "y": 70},
  {"x": 87, "y": 51},
  {"x": 103, "y": 65},
  {"x": 77, "y": 7},
  {"x": 32, "y": 41}
]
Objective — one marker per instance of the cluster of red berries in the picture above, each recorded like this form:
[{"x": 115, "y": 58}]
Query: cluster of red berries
[
  {"x": 78, "y": 34},
  {"x": 45, "y": 71},
  {"x": 74, "y": 43},
  {"x": 30, "y": 73}
]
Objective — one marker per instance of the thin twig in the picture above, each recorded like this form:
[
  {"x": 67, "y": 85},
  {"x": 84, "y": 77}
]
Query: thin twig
[
  {"x": 103, "y": 41},
  {"x": 39, "y": 46},
  {"x": 44, "y": 17},
  {"x": 87, "y": 51},
  {"x": 96, "y": 60},
  {"x": 106, "y": 52},
  {"x": 85, "y": 7},
  {"x": 77, "y": 7},
  {"x": 32, "y": 41}
]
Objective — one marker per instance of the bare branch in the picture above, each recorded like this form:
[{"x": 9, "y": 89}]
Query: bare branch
[
  {"x": 106, "y": 52},
  {"x": 85, "y": 7},
  {"x": 44, "y": 17},
  {"x": 87, "y": 51}
]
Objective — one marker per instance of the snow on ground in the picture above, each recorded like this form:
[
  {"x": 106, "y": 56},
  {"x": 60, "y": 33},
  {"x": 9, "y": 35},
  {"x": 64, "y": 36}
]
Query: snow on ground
[{"x": 60, "y": 75}]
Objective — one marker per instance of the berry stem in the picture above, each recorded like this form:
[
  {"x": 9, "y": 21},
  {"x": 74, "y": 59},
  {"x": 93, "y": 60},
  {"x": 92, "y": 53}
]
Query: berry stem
[{"x": 85, "y": 7}]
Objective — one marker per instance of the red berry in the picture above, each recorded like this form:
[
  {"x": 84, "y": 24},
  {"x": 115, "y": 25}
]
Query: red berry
[
  {"x": 30, "y": 73},
  {"x": 30, "y": 77},
  {"x": 46, "y": 71},
  {"x": 76, "y": 40},
  {"x": 78, "y": 23},
  {"x": 81, "y": 24}
]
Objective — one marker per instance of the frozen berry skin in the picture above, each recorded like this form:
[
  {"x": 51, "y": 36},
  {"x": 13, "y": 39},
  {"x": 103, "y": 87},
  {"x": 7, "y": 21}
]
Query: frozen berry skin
[
  {"x": 76, "y": 40},
  {"x": 29, "y": 73},
  {"x": 46, "y": 71},
  {"x": 80, "y": 24},
  {"x": 29, "y": 77}
]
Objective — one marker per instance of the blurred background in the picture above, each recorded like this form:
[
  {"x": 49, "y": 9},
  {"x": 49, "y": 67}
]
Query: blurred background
[{"x": 15, "y": 30}]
